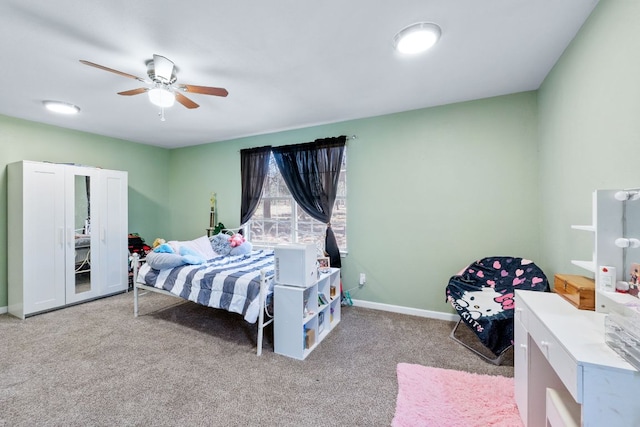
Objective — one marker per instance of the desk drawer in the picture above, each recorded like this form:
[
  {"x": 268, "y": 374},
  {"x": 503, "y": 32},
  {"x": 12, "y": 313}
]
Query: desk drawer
[
  {"x": 564, "y": 365},
  {"x": 562, "y": 411},
  {"x": 521, "y": 313}
]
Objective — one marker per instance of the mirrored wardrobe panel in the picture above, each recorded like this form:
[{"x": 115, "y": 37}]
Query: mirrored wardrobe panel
[{"x": 82, "y": 243}]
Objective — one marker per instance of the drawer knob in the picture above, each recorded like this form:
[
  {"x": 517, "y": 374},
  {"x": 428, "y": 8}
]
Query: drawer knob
[{"x": 544, "y": 343}]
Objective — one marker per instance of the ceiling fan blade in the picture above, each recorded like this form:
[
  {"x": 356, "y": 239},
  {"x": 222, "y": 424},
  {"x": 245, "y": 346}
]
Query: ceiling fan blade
[
  {"x": 134, "y": 91},
  {"x": 205, "y": 90},
  {"x": 102, "y": 67},
  {"x": 185, "y": 101}
]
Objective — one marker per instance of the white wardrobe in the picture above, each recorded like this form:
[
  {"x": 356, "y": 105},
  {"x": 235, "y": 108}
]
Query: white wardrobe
[{"x": 67, "y": 235}]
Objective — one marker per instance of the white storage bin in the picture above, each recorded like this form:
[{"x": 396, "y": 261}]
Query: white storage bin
[{"x": 295, "y": 265}]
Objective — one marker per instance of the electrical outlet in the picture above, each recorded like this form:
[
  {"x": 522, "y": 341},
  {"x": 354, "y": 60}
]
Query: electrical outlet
[{"x": 363, "y": 279}]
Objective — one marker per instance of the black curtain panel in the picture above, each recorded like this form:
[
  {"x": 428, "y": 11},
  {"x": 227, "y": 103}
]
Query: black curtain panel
[
  {"x": 254, "y": 165},
  {"x": 311, "y": 172}
]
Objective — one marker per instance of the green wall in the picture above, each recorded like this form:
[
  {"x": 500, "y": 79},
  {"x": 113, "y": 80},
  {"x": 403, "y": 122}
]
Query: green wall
[
  {"x": 147, "y": 167},
  {"x": 589, "y": 128},
  {"x": 428, "y": 192}
]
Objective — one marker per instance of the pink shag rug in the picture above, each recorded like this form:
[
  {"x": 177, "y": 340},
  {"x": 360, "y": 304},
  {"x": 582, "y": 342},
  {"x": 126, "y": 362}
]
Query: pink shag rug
[{"x": 447, "y": 398}]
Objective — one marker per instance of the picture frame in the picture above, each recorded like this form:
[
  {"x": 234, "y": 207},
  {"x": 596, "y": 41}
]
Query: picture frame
[{"x": 323, "y": 264}]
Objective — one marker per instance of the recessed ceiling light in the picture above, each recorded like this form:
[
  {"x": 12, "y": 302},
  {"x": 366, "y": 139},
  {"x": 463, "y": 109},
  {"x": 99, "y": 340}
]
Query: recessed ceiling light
[
  {"x": 61, "y": 107},
  {"x": 417, "y": 37}
]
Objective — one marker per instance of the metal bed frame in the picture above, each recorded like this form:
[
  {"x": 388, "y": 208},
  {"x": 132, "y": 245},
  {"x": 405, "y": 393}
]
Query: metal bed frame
[{"x": 264, "y": 317}]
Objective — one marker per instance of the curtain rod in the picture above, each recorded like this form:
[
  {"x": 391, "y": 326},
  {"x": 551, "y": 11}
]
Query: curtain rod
[{"x": 347, "y": 138}]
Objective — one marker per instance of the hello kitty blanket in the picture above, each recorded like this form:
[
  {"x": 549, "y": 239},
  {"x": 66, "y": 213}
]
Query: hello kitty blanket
[{"x": 482, "y": 294}]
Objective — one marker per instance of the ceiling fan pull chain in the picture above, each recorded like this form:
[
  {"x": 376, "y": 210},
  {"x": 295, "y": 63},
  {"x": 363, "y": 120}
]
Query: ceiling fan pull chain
[{"x": 161, "y": 114}]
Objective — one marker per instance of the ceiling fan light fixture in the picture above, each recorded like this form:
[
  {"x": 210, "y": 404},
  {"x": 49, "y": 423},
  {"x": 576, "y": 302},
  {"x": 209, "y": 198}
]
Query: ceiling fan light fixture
[
  {"x": 61, "y": 107},
  {"x": 162, "y": 97},
  {"x": 417, "y": 38}
]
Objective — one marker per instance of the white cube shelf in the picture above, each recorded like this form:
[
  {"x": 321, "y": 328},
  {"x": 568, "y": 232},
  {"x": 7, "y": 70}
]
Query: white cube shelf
[{"x": 305, "y": 316}]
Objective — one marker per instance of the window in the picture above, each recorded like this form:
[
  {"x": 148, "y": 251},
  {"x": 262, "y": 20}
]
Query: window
[{"x": 279, "y": 219}]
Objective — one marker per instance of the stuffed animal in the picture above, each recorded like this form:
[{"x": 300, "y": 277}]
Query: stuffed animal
[
  {"x": 164, "y": 248},
  {"x": 236, "y": 240},
  {"x": 158, "y": 242},
  {"x": 161, "y": 246}
]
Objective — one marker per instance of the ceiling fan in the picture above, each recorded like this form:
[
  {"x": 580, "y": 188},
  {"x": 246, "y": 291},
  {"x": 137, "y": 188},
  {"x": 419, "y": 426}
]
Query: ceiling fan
[{"x": 162, "y": 88}]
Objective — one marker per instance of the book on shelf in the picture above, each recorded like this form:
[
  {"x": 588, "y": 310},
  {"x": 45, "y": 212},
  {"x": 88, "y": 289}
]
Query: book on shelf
[
  {"x": 320, "y": 321},
  {"x": 322, "y": 299}
]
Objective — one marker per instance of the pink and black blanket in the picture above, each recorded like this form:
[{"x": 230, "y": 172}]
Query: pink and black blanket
[{"x": 482, "y": 294}]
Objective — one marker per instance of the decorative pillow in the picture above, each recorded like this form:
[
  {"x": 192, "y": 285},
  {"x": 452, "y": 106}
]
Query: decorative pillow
[
  {"x": 163, "y": 261},
  {"x": 244, "y": 249},
  {"x": 220, "y": 244},
  {"x": 201, "y": 246}
]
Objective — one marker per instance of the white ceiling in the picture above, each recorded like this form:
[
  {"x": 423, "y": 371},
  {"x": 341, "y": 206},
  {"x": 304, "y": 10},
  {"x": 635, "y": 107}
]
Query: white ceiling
[{"x": 287, "y": 64}]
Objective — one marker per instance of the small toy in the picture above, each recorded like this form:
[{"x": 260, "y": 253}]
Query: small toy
[
  {"x": 158, "y": 242},
  {"x": 236, "y": 240}
]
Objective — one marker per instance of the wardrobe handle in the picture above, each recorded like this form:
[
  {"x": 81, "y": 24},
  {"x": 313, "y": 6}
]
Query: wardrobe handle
[
  {"x": 61, "y": 236},
  {"x": 103, "y": 234}
]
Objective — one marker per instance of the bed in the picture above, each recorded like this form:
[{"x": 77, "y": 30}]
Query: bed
[{"x": 241, "y": 284}]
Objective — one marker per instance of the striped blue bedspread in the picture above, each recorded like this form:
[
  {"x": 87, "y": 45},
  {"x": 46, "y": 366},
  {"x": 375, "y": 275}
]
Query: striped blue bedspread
[{"x": 231, "y": 283}]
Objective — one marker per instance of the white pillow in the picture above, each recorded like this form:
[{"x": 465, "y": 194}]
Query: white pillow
[{"x": 201, "y": 245}]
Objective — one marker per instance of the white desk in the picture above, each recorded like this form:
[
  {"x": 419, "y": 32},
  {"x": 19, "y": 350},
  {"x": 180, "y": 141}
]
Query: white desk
[{"x": 560, "y": 347}]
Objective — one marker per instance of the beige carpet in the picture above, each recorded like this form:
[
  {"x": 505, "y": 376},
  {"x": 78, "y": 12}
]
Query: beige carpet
[{"x": 183, "y": 364}]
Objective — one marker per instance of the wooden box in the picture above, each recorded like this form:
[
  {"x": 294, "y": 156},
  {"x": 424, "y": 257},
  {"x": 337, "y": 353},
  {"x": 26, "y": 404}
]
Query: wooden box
[{"x": 578, "y": 290}]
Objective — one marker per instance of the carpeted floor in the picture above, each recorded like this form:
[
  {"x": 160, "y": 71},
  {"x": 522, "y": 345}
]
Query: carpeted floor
[
  {"x": 184, "y": 364},
  {"x": 430, "y": 397}
]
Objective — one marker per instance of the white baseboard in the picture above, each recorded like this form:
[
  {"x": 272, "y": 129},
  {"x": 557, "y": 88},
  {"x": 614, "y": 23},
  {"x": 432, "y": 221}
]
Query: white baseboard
[
  {"x": 406, "y": 310},
  {"x": 380, "y": 306}
]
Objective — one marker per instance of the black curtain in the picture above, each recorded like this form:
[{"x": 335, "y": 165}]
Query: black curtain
[
  {"x": 254, "y": 165},
  {"x": 311, "y": 172}
]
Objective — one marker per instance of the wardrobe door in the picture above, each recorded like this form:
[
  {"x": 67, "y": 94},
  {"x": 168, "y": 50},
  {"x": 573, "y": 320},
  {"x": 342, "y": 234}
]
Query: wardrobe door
[
  {"x": 36, "y": 238},
  {"x": 114, "y": 251},
  {"x": 82, "y": 192}
]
